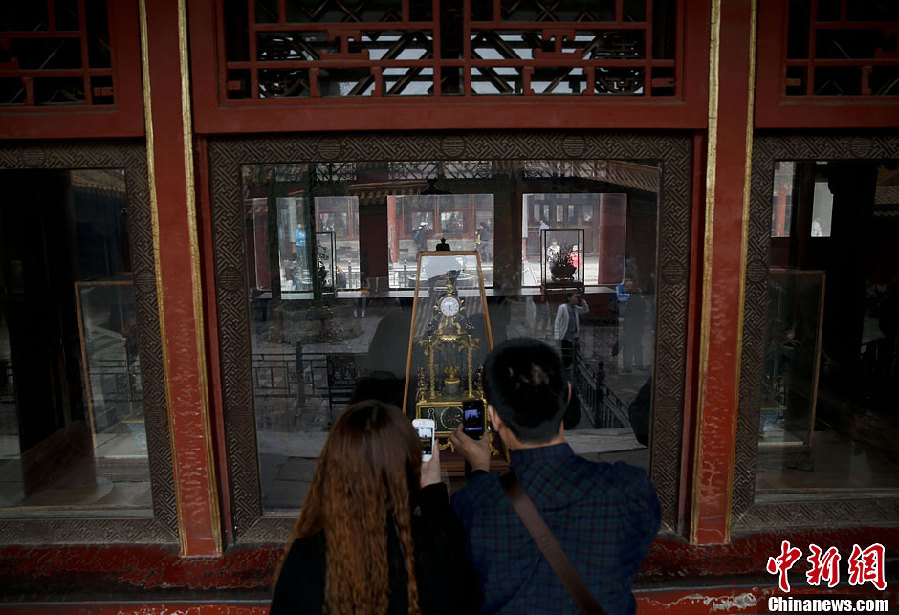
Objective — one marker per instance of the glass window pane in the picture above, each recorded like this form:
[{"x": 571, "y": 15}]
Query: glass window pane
[
  {"x": 830, "y": 386},
  {"x": 312, "y": 342},
  {"x": 72, "y": 435}
]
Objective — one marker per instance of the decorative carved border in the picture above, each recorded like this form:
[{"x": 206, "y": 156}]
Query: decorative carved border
[
  {"x": 163, "y": 526},
  {"x": 747, "y": 514},
  {"x": 226, "y": 156}
]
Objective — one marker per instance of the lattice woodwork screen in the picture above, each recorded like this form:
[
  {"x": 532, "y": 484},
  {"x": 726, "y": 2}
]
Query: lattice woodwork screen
[
  {"x": 55, "y": 52},
  {"x": 842, "y": 48},
  {"x": 375, "y": 49}
]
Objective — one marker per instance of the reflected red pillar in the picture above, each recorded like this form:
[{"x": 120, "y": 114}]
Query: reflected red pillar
[
  {"x": 612, "y": 232},
  {"x": 780, "y": 211},
  {"x": 372, "y": 231},
  {"x": 393, "y": 239}
]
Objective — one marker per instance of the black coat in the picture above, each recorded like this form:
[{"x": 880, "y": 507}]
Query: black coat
[{"x": 446, "y": 581}]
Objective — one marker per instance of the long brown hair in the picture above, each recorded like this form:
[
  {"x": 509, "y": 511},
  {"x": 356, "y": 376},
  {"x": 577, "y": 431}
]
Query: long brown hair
[{"x": 367, "y": 472}]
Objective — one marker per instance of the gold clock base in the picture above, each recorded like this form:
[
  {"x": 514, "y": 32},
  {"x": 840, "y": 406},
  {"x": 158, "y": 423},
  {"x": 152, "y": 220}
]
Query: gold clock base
[{"x": 453, "y": 463}]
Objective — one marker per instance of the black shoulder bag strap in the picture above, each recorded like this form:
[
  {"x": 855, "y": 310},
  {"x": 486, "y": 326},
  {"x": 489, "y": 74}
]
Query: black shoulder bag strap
[{"x": 548, "y": 545}]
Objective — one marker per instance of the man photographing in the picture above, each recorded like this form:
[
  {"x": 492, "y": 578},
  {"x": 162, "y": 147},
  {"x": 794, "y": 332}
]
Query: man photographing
[{"x": 604, "y": 516}]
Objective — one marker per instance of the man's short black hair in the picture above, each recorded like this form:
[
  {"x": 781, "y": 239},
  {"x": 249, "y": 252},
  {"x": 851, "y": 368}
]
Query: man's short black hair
[{"x": 525, "y": 382}]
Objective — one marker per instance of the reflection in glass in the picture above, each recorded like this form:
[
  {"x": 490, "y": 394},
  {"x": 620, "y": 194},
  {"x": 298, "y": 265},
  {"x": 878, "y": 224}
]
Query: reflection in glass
[
  {"x": 602, "y": 215},
  {"x": 286, "y": 227},
  {"x": 72, "y": 436},
  {"x": 831, "y": 389},
  {"x": 822, "y": 210},
  {"x": 324, "y": 261},
  {"x": 792, "y": 357},
  {"x": 562, "y": 260},
  {"x": 313, "y": 342},
  {"x": 340, "y": 215},
  {"x": 423, "y": 219},
  {"x": 781, "y": 216}
]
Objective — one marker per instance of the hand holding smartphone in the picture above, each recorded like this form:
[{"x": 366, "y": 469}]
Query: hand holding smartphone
[
  {"x": 476, "y": 452},
  {"x": 473, "y": 418},
  {"x": 425, "y": 429}
]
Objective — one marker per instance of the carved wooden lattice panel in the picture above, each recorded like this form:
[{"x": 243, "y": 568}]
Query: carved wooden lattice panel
[
  {"x": 275, "y": 49},
  {"x": 842, "y": 48},
  {"x": 420, "y": 152},
  {"x": 56, "y": 53}
]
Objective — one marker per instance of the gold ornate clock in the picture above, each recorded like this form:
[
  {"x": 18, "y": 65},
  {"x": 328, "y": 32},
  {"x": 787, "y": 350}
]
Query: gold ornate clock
[{"x": 449, "y": 338}]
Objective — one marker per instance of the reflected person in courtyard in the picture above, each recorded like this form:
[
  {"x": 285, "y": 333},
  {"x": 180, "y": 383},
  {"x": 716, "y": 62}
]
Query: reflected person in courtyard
[
  {"x": 634, "y": 322},
  {"x": 568, "y": 325}
]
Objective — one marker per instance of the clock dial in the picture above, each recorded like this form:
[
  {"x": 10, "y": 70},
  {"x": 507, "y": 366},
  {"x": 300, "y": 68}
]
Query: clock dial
[
  {"x": 449, "y": 306},
  {"x": 451, "y": 417}
]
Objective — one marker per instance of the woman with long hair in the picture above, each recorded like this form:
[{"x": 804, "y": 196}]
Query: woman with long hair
[{"x": 376, "y": 534}]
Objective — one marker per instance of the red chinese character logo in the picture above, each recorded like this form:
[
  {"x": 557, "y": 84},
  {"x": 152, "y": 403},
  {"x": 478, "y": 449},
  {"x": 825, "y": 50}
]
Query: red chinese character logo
[
  {"x": 780, "y": 565},
  {"x": 825, "y": 566},
  {"x": 867, "y": 565}
]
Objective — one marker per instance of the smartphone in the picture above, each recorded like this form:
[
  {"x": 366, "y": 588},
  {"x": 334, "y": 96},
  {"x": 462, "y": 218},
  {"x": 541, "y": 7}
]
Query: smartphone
[
  {"x": 425, "y": 429},
  {"x": 473, "y": 418}
]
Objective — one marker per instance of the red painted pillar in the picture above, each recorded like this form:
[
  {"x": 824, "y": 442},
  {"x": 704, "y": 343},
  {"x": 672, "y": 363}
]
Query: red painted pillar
[
  {"x": 171, "y": 167},
  {"x": 731, "y": 103}
]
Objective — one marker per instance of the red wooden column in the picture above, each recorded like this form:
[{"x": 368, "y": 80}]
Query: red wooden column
[
  {"x": 731, "y": 103},
  {"x": 170, "y": 162}
]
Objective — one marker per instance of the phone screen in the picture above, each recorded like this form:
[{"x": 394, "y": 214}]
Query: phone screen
[
  {"x": 425, "y": 438},
  {"x": 473, "y": 418}
]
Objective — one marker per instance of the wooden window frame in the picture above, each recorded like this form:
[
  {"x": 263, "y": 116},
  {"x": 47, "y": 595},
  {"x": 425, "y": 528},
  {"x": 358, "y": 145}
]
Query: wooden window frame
[
  {"x": 747, "y": 514},
  {"x": 226, "y": 155},
  {"x": 162, "y": 526}
]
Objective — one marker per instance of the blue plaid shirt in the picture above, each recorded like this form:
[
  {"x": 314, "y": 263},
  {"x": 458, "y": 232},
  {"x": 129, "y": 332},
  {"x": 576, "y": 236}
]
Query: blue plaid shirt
[{"x": 604, "y": 516}]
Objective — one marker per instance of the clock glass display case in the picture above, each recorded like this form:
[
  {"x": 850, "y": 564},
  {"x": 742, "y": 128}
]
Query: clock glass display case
[
  {"x": 449, "y": 339},
  {"x": 325, "y": 248},
  {"x": 562, "y": 258},
  {"x": 792, "y": 357}
]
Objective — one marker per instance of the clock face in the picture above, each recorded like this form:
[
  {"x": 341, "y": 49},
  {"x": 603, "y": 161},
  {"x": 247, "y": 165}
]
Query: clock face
[
  {"x": 449, "y": 306},
  {"x": 449, "y": 418},
  {"x": 446, "y": 418}
]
